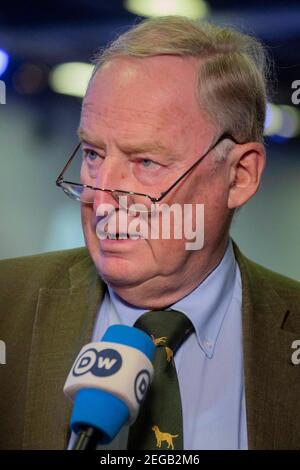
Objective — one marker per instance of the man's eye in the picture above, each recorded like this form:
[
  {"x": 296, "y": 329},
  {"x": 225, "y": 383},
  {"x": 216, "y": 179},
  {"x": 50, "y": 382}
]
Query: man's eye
[
  {"x": 91, "y": 155},
  {"x": 147, "y": 163}
]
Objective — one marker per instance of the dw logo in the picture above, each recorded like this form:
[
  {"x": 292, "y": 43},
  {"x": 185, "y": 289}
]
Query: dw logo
[
  {"x": 100, "y": 363},
  {"x": 141, "y": 385}
]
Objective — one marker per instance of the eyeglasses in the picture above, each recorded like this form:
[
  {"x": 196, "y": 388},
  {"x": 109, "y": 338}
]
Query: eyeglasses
[{"x": 128, "y": 200}]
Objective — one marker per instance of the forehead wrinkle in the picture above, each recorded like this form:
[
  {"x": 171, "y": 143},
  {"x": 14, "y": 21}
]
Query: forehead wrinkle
[
  {"x": 164, "y": 114},
  {"x": 151, "y": 125},
  {"x": 171, "y": 116},
  {"x": 126, "y": 146}
]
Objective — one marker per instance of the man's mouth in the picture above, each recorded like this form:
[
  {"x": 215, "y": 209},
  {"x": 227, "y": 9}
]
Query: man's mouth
[
  {"x": 120, "y": 236},
  {"x": 110, "y": 229},
  {"x": 117, "y": 236}
]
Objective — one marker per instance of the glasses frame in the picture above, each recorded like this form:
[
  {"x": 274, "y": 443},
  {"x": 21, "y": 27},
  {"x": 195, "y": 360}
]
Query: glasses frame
[{"x": 114, "y": 192}]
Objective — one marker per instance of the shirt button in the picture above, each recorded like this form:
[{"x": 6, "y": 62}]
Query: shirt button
[{"x": 208, "y": 344}]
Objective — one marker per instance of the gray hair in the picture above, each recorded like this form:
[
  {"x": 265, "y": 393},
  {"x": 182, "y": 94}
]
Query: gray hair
[{"x": 231, "y": 78}]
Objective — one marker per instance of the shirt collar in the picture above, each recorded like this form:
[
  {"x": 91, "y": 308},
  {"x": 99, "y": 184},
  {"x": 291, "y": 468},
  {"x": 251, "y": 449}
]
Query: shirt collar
[{"x": 206, "y": 306}]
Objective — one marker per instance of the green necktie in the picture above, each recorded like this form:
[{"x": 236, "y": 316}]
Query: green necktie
[{"x": 159, "y": 423}]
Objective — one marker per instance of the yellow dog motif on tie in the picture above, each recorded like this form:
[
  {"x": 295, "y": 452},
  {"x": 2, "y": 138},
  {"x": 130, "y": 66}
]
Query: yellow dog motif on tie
[
  {"x": 169, "y": 354},
  {"x": 159, "y": 342},
  {"x": 163, "y": 436}
]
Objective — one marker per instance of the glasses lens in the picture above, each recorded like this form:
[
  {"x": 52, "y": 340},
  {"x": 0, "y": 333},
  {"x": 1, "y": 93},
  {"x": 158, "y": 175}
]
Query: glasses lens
[
  {"x": 134, "y": 203},
  {"x": 78, "y": 192}
]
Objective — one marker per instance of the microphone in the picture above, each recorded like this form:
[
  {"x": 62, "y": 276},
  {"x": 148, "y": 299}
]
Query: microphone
[{"x": 108, "y": 382}]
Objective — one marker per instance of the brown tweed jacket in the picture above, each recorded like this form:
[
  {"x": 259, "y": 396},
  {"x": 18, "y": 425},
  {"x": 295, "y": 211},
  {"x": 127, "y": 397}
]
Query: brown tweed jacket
[{"x": 48, "y": 305}]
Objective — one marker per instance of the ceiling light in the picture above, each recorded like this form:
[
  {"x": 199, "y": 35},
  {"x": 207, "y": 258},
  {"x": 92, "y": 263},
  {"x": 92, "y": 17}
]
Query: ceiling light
[
  {"x": 190, "y": 8},
  {"x": 71, "y": 78}
]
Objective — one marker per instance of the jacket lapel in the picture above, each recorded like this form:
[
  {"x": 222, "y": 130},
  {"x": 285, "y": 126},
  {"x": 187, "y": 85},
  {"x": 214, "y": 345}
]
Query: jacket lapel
[
  {"x": 63, "y": 324},
  {"x": 271, "y": 381}
]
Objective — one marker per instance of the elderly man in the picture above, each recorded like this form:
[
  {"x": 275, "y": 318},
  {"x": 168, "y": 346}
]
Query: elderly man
[{"x": 174, "y": 114}]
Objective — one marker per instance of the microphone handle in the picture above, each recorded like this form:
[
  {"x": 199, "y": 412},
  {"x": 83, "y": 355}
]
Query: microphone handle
[{"x": 87, "y": 439}]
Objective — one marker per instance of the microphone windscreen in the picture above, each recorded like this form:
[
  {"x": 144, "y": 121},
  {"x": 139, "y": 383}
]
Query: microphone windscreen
[{"x": 109, "y": 381}]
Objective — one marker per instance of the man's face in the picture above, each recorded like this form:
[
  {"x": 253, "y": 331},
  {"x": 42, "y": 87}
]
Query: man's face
[{"x": 142, "y": 119}]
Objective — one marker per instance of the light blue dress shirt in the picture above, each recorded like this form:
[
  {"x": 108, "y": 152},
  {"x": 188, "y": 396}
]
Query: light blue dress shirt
[{"x": 209, "y": 363}]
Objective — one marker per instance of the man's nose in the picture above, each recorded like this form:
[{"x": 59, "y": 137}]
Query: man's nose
[{"x": 112, "y": 175}]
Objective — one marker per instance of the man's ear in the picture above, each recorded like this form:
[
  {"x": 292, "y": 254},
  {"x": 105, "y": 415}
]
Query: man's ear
[{"x": 247, "y": 163}]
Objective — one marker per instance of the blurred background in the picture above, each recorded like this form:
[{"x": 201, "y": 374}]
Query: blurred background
[{"x": 45, "y": 53}]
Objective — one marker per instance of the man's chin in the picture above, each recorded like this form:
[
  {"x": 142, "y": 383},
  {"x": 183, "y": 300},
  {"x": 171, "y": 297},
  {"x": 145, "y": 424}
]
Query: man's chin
[{"x": 118, "y": 272}]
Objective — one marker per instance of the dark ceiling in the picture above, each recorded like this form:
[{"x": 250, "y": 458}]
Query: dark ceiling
[
  {"x": 65, "y": 30},
  {"x": 37, "y": 13}
]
